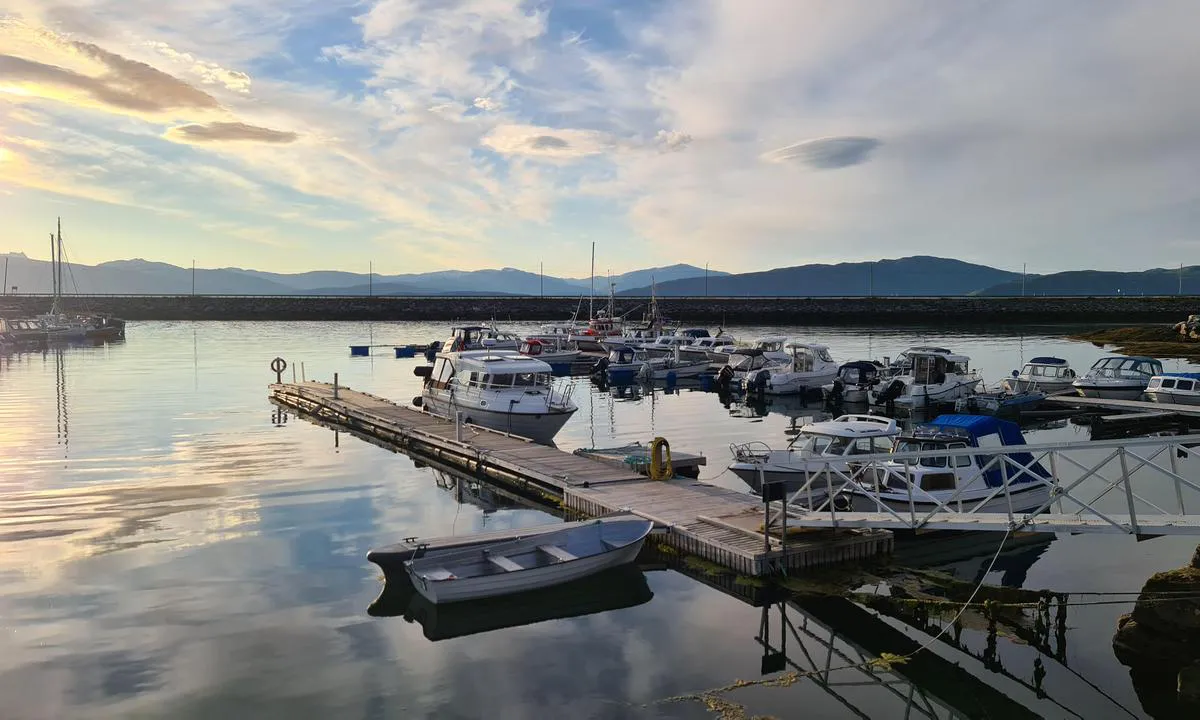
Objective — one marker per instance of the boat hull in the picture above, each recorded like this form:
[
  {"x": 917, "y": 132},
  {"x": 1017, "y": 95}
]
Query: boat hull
[
  {"x": 539, "y": 427},
  {"x": 1111, "y": 391},
  {"x": 1025, "y": 497},
  {"x": 797, "y": 383},
  {"x": 1173, "y": 397}
]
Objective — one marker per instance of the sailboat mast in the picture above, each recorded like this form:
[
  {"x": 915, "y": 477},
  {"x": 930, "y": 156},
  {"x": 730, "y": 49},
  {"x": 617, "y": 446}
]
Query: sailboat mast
[
  {"x": 58, "y": 299},
  {"x": 53, "y": 269},
  {"x": 592, "y": 298}
]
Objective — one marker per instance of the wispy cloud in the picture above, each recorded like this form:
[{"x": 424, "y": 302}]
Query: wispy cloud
[{"x": 228, "y": 132}]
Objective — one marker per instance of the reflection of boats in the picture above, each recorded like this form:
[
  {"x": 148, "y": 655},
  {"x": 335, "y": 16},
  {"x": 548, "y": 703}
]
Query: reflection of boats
[
  {"x": 1179, "y": 388},
  {"x": 818, "y": 446},
  {"x": 613, "y": 589},
  {"x": 504, "y": 391},
  {"x": 1118, "y": 377},
  {"x": 948, "y": 473},
  {"x": 513, "y": 566},
  {"x": 470, "y": 491}
]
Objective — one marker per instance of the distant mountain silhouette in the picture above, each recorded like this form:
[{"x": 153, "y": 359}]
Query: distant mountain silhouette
[
  {"x": 1096, "y": 282},
  {"x": 154, "y": 278},
  {"x": 918, "y": 275}
]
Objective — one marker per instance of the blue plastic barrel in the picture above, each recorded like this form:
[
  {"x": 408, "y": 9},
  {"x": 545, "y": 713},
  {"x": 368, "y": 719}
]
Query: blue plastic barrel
[
  {"x": 360, "y": 350},
  {"x": 406, "y": 351}
]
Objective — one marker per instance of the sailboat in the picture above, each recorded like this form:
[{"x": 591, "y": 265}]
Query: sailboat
[
  {"x": 61, "y": 326},
  {"x": 600, "y": 324}
]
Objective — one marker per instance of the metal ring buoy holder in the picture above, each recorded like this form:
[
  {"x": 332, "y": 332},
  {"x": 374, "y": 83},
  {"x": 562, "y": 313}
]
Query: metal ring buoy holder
[
  {"x": 278, "y": 365},
  {"x": 660, "y": 459}
]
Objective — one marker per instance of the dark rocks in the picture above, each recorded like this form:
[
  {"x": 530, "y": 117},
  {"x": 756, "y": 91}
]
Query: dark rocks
[
  {"x": 980, "y": 313},
  {"x": 1160, "y": 642}
]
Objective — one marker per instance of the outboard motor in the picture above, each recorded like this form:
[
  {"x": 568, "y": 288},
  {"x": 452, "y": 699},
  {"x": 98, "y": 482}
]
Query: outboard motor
[
  {"x": 757, "y": 383},
  {"x": 434, "y": 348},
  {"x": 724, "y": 378},
  {"x": 600, "y": 367},
  {"x": 889, "y": 394},
  {"x": 836, "y": 394}
]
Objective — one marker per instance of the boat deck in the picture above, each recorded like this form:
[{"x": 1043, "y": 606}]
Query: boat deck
[{"x": 702, "y": 519}]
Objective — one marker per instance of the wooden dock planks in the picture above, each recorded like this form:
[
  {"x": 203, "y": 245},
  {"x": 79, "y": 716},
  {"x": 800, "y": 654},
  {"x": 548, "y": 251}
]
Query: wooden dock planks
[{"x": 728, "y": 536}]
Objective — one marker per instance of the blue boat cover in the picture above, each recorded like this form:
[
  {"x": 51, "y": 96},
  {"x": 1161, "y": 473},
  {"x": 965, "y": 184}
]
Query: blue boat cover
[
  {"x": 1010, "y": 434},
  {"x": 1048, "y": 361},
  {"x": 1193, "y": 376}
]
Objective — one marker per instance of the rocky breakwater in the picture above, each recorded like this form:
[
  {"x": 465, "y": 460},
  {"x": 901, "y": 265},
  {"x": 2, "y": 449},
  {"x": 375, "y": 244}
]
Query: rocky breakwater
[
  {"x": 1189, "y": 327},
  {"x": 981, "y": 313},
  {"x": 1160, "y": 642}
]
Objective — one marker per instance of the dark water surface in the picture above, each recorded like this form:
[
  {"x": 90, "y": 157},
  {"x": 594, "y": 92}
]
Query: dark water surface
[{"x": 170, "y": 546}]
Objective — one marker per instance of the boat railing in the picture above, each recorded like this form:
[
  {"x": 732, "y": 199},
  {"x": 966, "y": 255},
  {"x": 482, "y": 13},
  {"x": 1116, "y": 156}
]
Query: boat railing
[
  {"x": 1097, "y": 486},
  {"x": 753, "y": 451}
]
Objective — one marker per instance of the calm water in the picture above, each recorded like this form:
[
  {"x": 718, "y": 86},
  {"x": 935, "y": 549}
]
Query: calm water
[{"x": 171, "y": 546}]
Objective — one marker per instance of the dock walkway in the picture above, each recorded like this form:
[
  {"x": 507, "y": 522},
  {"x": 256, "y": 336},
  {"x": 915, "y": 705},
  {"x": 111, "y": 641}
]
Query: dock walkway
[{"x": 714, "y": 523}]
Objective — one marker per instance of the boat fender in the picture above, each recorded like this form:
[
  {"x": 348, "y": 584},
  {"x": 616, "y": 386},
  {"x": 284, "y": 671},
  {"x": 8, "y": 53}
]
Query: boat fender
[
  {"x": 841, "y": 503},
  {"x": 418, "y": 401},
  {"x": 660, "y": 459}
]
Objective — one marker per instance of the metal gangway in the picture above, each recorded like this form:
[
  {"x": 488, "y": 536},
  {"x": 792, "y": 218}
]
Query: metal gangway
[{"x": 1142, "y": 487}]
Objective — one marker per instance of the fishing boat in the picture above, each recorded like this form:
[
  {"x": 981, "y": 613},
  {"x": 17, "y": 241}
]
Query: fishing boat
[
  {"x": 559, "y": 333},
  {"x": 1118, "y": 377},
  {"x": 1176, "y": 388},
  {"x": 702, "y": 348},
  {"x": 1000, "y": 401},
  {"x": 807, "y": 368},
  {"x": 497, "y": 389},
  {"x": 816, "y": 448},
  {"x": 852, "y": 382},
  {"x": 1048, "y": 374},
  {"x": 935, "y": 378},
  {"x": 549, "y": 351},
  {"x": 627, "y": 363},
  {"x": 946, "y": 472},
  {"x": 513, "y": 566}
]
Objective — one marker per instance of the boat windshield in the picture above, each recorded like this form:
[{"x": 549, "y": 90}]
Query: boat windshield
[
  {"x": 1047, "y": 371},
  {"x": 1116, "y": 367},
  {"x": 815, "y": 444},
  {"x": 520, "y": 380},
  {"x": 941, "y": 461}
]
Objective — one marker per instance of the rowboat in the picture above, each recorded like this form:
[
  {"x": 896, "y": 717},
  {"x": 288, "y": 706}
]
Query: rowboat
[{"x": 513, "y": 566}]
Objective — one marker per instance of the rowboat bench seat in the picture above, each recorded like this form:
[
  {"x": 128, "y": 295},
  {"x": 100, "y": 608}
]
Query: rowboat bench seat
[
  {"x": 504, "y": 563},
  {"x": 439, "y": 574},
  {"x": 556, "y": 552}
]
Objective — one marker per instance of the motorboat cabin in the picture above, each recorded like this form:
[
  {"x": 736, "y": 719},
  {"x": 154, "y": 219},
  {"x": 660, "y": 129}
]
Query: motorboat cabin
[
  {"x": 852, "y": 381},
  {"x": 1048, "y": 374},
  {"x": 702, "y": 348},
  {"x": 934, "y": 463},
  {"x": 1176, "y": 388},
  {"x": 473, "y": 337},
  {"x": 818, "y": 449},
  {"x": 934, "y": 378},
  {"x": 904, "y": 361},
  {"x": 553, "y": 352},
  {"x": 808, "y": 367},
  {"x": 497, "y": 389},
  {"x": 1118, "y": 377}
]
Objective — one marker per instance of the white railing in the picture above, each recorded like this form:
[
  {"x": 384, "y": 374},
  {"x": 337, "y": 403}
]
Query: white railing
[{"x": 1100, "y": 486}]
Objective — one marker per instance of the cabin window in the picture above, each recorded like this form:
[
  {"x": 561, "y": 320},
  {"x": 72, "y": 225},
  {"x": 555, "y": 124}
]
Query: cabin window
[
  {"x": 803, "y": 361},
  {"x": 938, "y": 481},
  {"x": 823, "y": 354},
  {"x": 961, "y": 460},
  {"x": 1167, "y": 383},
  {"x": 526, "y": 380},
  {"x": 443, "y": 371},
  {"x": 1184, "y": 385}
]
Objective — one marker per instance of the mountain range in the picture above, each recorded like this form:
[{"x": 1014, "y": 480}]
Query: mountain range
[{"x": 902, "y": 277}]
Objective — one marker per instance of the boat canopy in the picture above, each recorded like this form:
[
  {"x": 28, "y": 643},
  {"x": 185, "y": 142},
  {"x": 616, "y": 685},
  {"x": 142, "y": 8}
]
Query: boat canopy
[
  {"x": 974, "y": 427},
  {"x": 1190, "y": 375},
  {"x": 623, "y": 355},
  {"x": 1047, "y": 361}
]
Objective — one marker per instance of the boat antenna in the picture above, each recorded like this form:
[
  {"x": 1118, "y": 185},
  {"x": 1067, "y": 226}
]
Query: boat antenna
[{"x": 592, "y": 298}]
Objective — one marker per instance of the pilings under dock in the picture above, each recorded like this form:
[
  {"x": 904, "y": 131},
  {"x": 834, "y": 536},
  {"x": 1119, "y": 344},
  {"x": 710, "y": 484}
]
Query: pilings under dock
[{"x": 709, "y": 522}]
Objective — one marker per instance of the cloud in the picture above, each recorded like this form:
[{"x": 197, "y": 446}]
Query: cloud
[
  {"x": 545, "y": 142},
  {"x": 672, "y": 139},
  {"x": 826, "y": 153},
  {"x": 228, "y": 132},
  {"x": 487, "y": 104},
  {"x": 209, "y": 73}
]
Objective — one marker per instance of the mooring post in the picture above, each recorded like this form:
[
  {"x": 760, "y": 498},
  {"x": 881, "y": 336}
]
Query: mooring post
[
  {"x": 458, "y": 425},
  {"x": 335, "y": 386},
  {"x": 303, "y": 375}
]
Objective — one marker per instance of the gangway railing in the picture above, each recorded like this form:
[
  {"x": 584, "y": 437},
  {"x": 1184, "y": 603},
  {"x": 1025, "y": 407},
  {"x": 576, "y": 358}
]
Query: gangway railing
[{"x": 1134, "y": 486}]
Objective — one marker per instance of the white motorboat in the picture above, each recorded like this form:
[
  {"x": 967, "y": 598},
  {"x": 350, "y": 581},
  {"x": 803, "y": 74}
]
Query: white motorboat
[
  {"x": 808, "y": 367},
  {"x": 935, "y": 378},
  {"x": 477, "y": 337},
  {"x": 946, "y": 472},
  {"x": 513, "y": 566},
  {"x": 627, "y": 363},
  {"x": 903, "y": 364},
  {"x": 1118, "y": 377},
  {"x": 665, "y": 345},
  {"x": 742, "y": 363},
  {"x": 558, "y": 333},
  {"x": 497, "y": 389},
  {"x": 1047, "y": 374},
  {"x": 1176, "y": 388},
  {"x": 853, "y": 381},
  {"x": 817, "y": 447},
  {"x": 703, "y": 348},
  {"x": 549, "y": 351}
]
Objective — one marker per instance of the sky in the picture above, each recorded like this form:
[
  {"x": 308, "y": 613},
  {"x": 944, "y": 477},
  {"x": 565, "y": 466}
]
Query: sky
[{"x": 420, "y": 135}]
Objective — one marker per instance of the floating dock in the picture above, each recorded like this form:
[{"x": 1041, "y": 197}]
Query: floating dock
[{"x": 713, "y": 523}]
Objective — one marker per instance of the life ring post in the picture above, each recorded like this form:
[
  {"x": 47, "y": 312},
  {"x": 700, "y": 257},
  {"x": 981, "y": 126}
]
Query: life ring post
[
  {"x": 278, "y": 365},
  {"x": 660, "y": 459}
]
